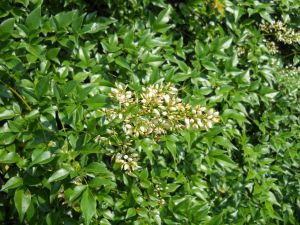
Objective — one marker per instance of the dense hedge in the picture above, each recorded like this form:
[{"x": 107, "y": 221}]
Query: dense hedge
[{"x": 67, "y": 158}]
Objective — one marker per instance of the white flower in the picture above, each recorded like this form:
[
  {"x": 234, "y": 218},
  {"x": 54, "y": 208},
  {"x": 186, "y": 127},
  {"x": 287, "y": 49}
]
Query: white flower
[
  {"x": 142, "y": 129},
  {"x": 187, "y": 122}
]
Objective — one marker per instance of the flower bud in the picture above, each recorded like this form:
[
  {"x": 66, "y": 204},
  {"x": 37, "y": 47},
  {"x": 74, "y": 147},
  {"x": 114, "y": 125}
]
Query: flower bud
[
  {"x": 142, "y": 129},
  {"x": 156, "y": 112},
  {"x": 200, "y": 123},
  {"x": 173, "y": 89},
  {"x": 125, "y": 166},
  {"x": 202, "y": 109},
  {"x": 128, "y": 94},
  {"x": 187, "y": 122},
  {"x": 167, "y": 98},
  {"x": 114, "y": 90}
]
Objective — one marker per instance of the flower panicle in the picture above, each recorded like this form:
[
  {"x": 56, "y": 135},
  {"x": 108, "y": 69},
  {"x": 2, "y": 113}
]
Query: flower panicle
[{"x": 160, "y": 111}]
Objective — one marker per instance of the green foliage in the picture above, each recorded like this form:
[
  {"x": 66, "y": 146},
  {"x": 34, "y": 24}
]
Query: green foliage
[{"x": 59, "y": 61}]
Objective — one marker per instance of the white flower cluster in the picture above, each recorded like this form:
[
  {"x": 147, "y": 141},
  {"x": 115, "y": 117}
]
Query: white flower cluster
[
  {"x": 240, "y": 51},
  {"x": 281, "y": 32},
  {"x": 156, "y": 110},
  {"x": 128, "y": 162},
  {"x": 290, "y": 71},
  {"x": 157, "y": 190},
  {"x": 273, "y": 49}
]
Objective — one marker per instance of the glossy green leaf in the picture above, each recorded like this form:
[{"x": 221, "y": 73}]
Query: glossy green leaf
[
  {"x": 22, "y": 199},
  {"x": 8, "y": 157},
  {"x": 6, "y": 28},
  {"x": 42, "y": 87},
  {"x": 76, "y": 192},
  {"x": 12, "y": 183},
  {"x": 7, "y": 114},
  {"x": 130, "y": 213},
  {"x": 41, "y": 156},
  {"x": 88, "y": 205},
  {"x": 33, "y": 20},
  {"x": 58, "y": 175},
  {"x": 97, "y": 168},
  {"x": 210, "y": 65},
  {"x": 123, "y": 63}
]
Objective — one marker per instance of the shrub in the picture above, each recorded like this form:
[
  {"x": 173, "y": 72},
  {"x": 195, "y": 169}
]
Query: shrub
[{"x": 149, "y": 112}]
